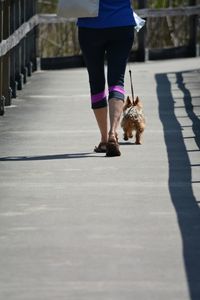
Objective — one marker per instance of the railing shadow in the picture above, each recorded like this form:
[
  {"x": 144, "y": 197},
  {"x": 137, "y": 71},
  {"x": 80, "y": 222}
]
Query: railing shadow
[
  {"x": 180, "y": 175},
  {"x": 189, "y": 106}
]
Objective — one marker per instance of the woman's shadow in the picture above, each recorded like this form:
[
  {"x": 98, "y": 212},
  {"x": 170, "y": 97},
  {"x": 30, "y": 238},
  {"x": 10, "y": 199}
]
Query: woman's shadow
[{"x": 51, "y": 157}]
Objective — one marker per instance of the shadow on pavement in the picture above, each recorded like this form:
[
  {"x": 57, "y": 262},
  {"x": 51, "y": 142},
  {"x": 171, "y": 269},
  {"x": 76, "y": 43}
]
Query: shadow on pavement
[
  {"x": 180, "y": 173},
  {"x": 189, "y": 106},
  {"x": 50, "y": 157}
]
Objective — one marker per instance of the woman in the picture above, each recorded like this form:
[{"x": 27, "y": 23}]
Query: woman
[{"x": 110, "y": 34}]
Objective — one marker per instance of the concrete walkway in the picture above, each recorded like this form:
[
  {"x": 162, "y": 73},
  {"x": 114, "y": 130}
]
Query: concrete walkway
[{"x": 75, "y": 225}]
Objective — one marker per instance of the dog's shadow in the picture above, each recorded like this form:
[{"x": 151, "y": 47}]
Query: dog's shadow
[{"x": 127, "y": 143}]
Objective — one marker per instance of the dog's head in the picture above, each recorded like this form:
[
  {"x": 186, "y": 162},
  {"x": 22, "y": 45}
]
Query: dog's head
[{"x": 128, "y": 103}]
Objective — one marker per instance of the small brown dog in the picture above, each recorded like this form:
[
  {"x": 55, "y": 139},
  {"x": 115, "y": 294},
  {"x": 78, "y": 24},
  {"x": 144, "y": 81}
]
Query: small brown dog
[{"x": 133, "y": 120}]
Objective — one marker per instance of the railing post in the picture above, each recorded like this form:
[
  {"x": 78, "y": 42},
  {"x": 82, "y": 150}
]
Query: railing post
[
  {"x": 18, "y": 50},
  {"x": 32, "y": 36},
  {"x": 6, "y": 57},
  {"x": 13, "y": 82},
  {"x": 142, "y": 35},
  {"x": 24, "y": 69},
  {"x": 29, "y": 64},
  {"x": 2, "y": 98},
  {"x": 193, "y": 31},
  {"x": 35, "y": 36}
]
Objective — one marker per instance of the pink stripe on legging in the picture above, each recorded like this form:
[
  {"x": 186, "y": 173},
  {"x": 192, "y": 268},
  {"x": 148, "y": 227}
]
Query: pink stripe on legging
[
  {"x": 116, "y": 88},
  {"x": 98, "y": 97}
]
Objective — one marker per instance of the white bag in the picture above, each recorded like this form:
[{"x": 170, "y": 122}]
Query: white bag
[
  {"x": 78, "y": 8},
  {"x": 139, "y": 22}
]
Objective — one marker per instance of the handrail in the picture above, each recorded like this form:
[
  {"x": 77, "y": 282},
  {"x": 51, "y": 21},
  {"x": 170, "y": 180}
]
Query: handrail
[
  {"x": 170, "y": 11},
  {"x": 15, "y": 38}
]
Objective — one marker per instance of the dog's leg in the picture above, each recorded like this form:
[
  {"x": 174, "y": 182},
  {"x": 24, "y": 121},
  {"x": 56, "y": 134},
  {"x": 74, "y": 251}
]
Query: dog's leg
[
  {"x": 130, "y": 134},
  {"x": 125, "y": 136},
  {"x": 138, "y": 138},
  {"x": 139, "y": 133},
  {"x": 125, "y": 129}
]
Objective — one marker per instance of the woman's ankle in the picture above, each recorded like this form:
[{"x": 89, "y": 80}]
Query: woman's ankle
[
  {"x": 112, "y": 136},
  {"x": 104, "y": 139}
]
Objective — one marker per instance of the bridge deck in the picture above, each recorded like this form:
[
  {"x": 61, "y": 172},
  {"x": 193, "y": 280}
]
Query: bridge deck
[{"x": 76, "y": 225}]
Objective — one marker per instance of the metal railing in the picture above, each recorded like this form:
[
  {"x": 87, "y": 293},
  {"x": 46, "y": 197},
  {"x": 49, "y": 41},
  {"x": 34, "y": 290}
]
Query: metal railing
[{"x": 17, "y": 46}]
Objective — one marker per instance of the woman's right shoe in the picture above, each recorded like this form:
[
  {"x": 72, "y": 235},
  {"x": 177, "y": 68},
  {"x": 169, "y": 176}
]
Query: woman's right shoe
[{"x": 112, "y": 149}]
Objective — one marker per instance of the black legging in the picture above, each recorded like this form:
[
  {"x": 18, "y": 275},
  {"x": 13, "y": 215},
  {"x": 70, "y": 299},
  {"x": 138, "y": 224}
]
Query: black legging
[{"x": 116, "y": 43}]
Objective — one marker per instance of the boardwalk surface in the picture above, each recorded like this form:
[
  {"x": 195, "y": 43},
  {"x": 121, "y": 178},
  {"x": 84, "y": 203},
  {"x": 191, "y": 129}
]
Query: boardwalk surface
[{"x": 75, "y": 225}]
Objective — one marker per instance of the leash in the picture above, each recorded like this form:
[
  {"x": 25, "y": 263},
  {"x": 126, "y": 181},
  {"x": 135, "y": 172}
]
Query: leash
[{"x": 131, "y": 82}]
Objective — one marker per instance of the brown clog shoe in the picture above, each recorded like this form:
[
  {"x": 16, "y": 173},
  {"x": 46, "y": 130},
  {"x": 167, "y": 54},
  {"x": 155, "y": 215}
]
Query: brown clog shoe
[
  {"x": 112, "y": 149},
  {"x": 101, "y": 148}
]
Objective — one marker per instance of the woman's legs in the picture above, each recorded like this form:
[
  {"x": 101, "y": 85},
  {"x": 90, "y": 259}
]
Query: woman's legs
[{"x": 117, "y": 42}]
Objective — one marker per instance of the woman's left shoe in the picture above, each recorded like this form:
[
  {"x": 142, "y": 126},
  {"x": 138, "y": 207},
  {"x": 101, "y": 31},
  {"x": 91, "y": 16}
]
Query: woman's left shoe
[
  {"x": 112, "y": 149},
  {"x": 101, "y": 148}
]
